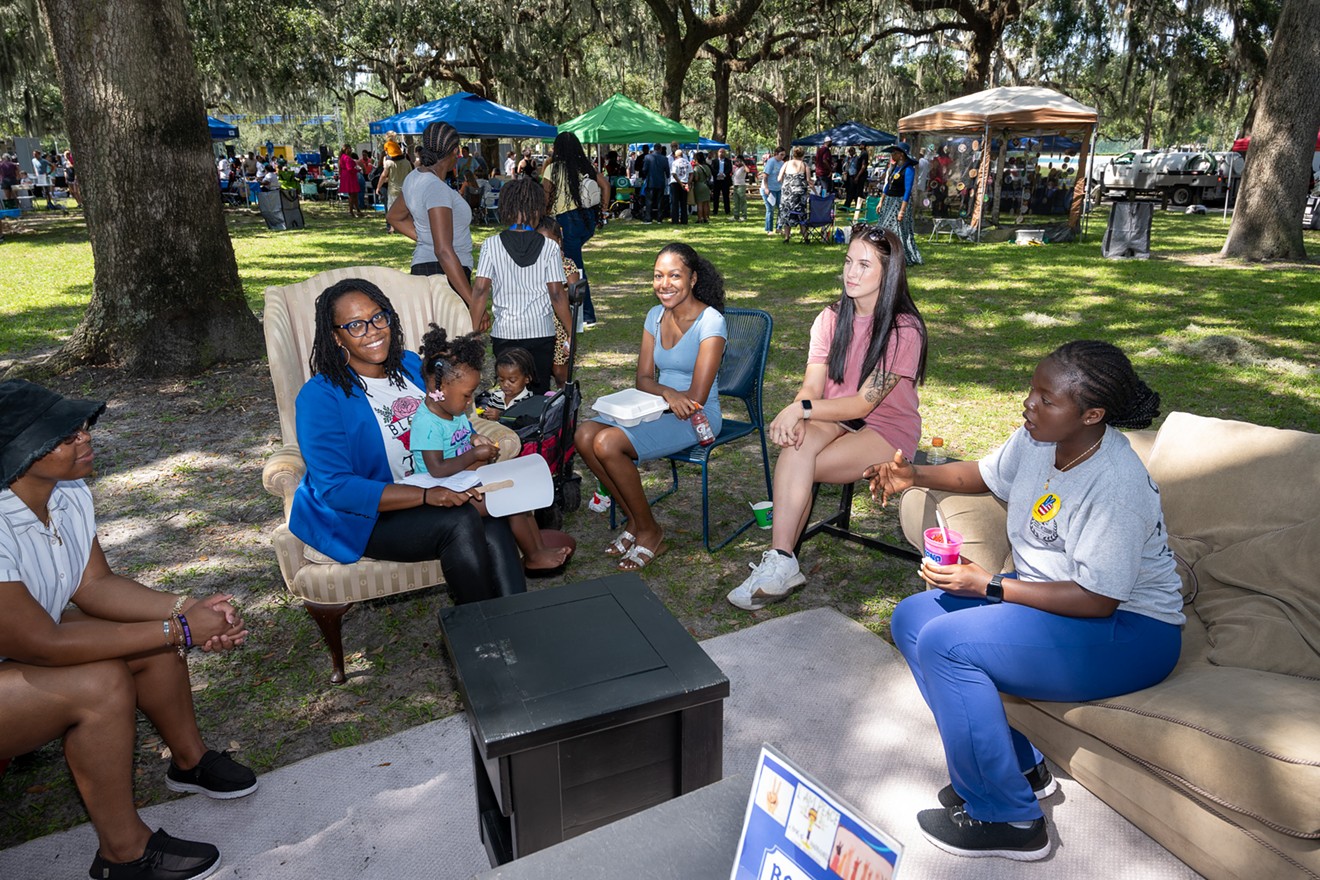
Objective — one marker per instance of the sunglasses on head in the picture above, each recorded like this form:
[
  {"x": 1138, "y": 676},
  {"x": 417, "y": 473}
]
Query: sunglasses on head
[{"x": 870, "y": 232}]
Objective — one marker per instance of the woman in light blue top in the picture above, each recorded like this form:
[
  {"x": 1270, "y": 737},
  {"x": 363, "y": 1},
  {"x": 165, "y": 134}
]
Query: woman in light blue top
[{"x": 683, "y": 339}]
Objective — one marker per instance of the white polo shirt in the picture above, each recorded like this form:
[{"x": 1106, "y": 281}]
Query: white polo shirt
[{"x": 48, "y": 561}]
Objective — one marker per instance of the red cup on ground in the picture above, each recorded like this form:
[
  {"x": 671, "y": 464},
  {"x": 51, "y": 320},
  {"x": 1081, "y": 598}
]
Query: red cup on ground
[{"x": 943, "y": 546}]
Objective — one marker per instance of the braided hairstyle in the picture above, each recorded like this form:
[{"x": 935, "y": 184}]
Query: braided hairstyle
[
  {"x": 328, "y": 360},
  {"x": 569, "y": 165},
  {"x": 439, "y": 140},
  {"x": 443, "y": 357},
  {"x": 709, "y": 288},
  {"x": 522, "y": 201},
  {"x": 1100, "y": 375}
]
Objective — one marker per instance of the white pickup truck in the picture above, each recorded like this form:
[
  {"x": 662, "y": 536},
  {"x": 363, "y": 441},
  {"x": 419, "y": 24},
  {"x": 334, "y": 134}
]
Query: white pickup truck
[{"x": 1183, "y": 178}]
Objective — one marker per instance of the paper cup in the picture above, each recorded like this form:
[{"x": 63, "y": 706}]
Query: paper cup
[
  {"x": 765, "y": 514},
  {"x": 943, "y": 552}
]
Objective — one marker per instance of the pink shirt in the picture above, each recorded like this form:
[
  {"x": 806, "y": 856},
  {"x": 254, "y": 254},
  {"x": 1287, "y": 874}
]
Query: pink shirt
[
  {"x": 348, "y": 172},
  {"x": 897, "y": 417}
]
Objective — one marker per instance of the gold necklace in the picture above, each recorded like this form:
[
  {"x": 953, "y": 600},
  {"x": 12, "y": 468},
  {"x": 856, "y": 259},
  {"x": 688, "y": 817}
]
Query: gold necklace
[
  {"x": 55, "y": 532},
  {"x": 1075, "y": 460}
]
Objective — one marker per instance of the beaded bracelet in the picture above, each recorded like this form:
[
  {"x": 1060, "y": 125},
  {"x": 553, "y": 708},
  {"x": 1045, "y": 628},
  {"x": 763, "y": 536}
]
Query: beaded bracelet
[
  {"x": 178, "y": 605},
  {"x": 187, "y": 631}
]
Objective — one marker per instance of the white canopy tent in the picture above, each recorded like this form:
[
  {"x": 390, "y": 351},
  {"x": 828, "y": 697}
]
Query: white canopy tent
[{"x": 1010, "y": 112}]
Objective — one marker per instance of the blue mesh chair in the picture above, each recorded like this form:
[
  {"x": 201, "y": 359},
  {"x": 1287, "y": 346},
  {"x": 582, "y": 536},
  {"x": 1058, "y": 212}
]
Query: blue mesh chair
[
  {"x": 819, "y": 223},
  {"x": 742, "y": 372}
]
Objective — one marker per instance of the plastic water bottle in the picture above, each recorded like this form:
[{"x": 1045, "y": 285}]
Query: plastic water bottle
[
  {"x": 701, "y": 424},
  {"x": 937, "y": 454}
]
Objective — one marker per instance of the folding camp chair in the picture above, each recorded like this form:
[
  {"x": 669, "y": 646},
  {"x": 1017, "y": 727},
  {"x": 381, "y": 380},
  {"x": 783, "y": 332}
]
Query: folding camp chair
[{"x": 819, "y": 223}]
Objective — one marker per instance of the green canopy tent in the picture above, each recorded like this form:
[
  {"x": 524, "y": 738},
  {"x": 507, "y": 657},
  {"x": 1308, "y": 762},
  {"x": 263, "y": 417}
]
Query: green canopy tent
[{"x": 621, "y": 120}]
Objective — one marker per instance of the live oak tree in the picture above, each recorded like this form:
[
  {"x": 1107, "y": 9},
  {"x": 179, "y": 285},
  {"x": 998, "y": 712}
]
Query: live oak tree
[
  {"x": 166, "y": 297},
  {"x": 1267, "y": 219},
  {"x": 683, "y": 32}
]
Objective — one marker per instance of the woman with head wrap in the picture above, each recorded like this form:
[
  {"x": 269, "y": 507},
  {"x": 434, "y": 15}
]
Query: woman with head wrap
[{"x": 432, "y": 214}]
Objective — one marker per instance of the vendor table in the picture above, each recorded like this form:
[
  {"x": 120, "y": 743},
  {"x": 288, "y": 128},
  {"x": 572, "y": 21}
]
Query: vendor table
[{"x": 587, "y": 703}]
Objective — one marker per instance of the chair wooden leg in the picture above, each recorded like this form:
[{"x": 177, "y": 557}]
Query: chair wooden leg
[{"x": 330, "y": 619}]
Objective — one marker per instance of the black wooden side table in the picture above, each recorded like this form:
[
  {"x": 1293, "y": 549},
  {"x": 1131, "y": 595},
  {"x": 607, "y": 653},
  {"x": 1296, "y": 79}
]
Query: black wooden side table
[{"x": 587, "y": 703}]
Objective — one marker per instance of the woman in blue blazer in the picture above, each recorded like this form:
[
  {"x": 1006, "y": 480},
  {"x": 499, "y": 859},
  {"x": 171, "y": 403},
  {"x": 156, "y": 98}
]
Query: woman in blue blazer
[{"x": 353, "y": 423}]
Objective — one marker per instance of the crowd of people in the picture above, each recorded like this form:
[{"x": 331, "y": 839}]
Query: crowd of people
[
  {"x": 1090, "y": 608},
  {"x": 44, "y": 175}
]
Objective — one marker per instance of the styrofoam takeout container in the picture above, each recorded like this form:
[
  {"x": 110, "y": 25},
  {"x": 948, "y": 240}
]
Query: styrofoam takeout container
[
  {"x": 630, "y": 407},
  {"x": 1027, "y": 236}
]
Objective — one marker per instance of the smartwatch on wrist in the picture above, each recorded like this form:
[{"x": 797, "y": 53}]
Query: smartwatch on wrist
[
  {"x": 806, "y": 409},
  {"x": 994, "y": 591}
]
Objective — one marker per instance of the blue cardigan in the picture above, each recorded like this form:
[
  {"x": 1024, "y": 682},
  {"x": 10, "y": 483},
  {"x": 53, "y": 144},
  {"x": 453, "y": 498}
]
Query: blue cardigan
[{"x": 336, "y": 505}]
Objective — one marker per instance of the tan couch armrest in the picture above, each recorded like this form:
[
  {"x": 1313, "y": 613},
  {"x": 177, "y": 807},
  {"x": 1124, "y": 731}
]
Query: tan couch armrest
[
  {"x": 981, "y": 519},
  {"x": 507, "y": 438}
]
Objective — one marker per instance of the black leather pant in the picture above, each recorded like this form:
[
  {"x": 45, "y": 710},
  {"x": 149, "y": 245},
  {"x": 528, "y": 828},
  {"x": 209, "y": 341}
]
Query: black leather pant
[{"x": 478, "y": 555}]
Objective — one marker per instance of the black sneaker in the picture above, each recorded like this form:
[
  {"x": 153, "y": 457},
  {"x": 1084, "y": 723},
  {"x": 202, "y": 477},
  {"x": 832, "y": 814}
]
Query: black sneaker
[
  {"x": 166, "y": 858},
  {"x": 953, "y": 830},
  {"x": 217, "y": 775},
  {"x": 1042, "y": 782}
]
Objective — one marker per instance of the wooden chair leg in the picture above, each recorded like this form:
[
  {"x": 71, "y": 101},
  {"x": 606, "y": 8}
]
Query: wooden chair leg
[{"x": 330, "y": 619}]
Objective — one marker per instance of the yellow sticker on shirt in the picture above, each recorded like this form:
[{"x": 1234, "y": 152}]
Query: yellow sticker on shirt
[{"x": 1046, "y": 508}]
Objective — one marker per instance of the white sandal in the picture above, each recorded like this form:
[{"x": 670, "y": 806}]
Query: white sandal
[
  {"x": 640, "y": 557},
  {"x": 620, "y": 546}
]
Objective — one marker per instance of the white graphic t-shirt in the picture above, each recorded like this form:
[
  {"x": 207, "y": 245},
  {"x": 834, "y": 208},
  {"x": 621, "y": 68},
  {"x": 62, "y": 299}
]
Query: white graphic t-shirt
[{"x": 394, "y": 407}]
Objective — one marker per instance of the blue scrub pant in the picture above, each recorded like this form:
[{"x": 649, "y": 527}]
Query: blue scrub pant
[{"x": 964, "y": 652}]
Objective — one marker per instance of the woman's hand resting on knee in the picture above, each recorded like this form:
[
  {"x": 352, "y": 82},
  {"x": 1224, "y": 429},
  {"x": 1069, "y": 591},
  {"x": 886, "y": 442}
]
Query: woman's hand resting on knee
[{"x": 788, "y": 428}]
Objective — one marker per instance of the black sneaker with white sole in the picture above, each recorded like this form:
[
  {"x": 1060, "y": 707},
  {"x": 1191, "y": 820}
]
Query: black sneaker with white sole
[
  {"x": 954, "y": 831},
  {"x": 217, "y": 776},
  {"x": 166, "y": 858},
  {"x": 1043, "y": 784}
]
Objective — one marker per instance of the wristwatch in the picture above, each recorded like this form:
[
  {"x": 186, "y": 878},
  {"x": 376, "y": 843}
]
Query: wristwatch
[
  {"x": 994, "y": 591},
  {"x": 806, "y": 409}
]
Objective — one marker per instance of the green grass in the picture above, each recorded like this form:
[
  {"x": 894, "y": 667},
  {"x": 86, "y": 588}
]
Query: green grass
[{"x": 993, "y": 311}]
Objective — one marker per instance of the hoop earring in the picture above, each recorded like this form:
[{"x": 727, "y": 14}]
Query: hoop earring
[{"x": 343, "y": 351}]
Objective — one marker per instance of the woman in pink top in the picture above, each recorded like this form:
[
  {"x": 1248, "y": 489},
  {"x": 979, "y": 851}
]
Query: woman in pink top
[
  {"x": 348, "y": 181},
  {"x": 857, "y": 403}
]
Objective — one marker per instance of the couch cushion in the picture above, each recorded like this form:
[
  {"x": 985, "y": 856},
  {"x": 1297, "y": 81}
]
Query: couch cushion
[
  {"x": 1260, "y": 601},
  {"x": 1247, "y": 740},
  {"x": 1222, "y": 482}
]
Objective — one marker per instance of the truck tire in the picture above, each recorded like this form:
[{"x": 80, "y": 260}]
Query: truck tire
[{"x": 1181, "y": 196}]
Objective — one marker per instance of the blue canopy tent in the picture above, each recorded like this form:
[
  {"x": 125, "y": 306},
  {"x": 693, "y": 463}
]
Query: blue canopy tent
[
  {"x": 221, "y": 130},
  {"x": 705, "y": 144},
  {"x": 849, "y": 134},
  {"x": 471, "y": 114}
]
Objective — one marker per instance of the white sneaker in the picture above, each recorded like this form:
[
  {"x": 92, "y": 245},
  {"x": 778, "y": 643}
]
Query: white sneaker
[{"x": 777, "y": 577}]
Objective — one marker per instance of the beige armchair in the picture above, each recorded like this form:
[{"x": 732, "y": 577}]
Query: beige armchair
[{"x": 327, "y": 587}]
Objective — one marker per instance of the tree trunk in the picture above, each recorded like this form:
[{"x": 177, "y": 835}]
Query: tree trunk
[
  {"x": 719, "y": 124},
  {"x": 166, "y": 298},
  {"x": 677, "y": 62},
  {"x": 1267, "y": 222}
]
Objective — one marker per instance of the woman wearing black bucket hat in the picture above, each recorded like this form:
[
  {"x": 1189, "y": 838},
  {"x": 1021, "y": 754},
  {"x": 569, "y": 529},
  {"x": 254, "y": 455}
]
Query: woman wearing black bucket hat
[
  {"x": 895, "y": 209},
  {"x": 81, "y": 674}
]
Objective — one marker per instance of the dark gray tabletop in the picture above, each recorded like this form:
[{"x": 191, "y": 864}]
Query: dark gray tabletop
[{"x": 540, "y": 667}]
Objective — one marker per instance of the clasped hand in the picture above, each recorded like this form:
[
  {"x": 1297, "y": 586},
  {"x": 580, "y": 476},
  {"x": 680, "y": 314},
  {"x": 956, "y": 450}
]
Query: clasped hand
[
  {"x": 788, "y": 428},
  {"x": 215, "y": 623}
]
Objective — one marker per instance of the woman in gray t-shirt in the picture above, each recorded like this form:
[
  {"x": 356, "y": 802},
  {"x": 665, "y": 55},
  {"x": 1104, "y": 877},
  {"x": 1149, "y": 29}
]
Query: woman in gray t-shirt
[
  {"x": 435, "y": 216},
  {"x": 1092, "y": 609}
]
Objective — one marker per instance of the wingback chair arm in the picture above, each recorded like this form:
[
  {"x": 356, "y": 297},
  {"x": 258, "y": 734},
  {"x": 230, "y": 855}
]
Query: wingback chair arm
[{"x": 282, "y": 473}]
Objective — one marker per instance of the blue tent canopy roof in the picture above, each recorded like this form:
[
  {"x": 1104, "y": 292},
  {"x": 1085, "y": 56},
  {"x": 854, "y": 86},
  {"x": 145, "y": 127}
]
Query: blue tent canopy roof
[
  {"x": 472, "y": 115},
  {"x": 846, "y": 135},
  {"x": 220, "y": 130}
]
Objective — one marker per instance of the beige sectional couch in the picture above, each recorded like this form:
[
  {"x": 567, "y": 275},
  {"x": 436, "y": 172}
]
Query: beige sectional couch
[{"x": 1220, "y": 762}]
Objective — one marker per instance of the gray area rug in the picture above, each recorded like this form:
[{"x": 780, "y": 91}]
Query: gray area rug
[{"x": 832, "y": 696}]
